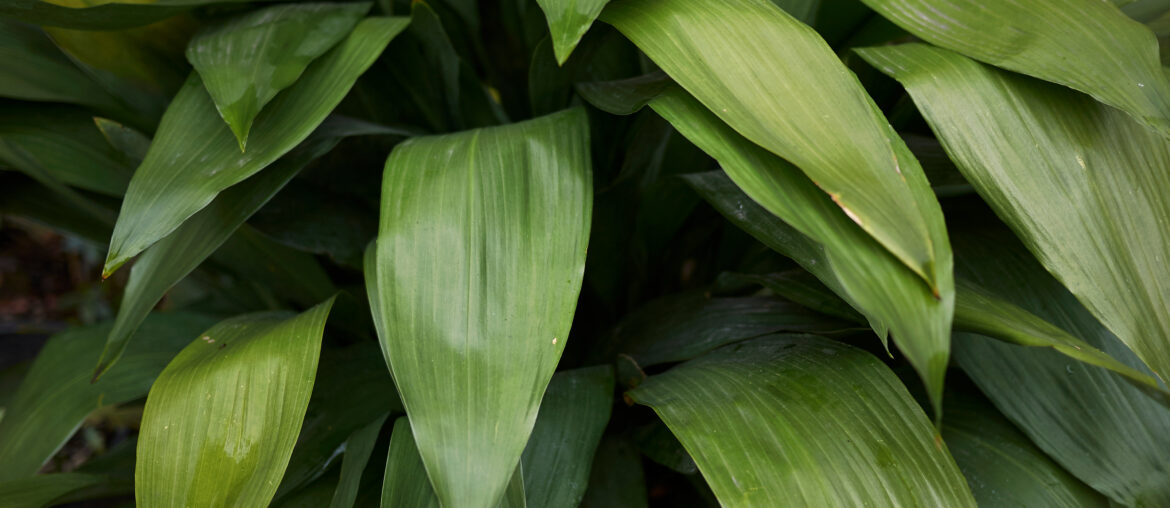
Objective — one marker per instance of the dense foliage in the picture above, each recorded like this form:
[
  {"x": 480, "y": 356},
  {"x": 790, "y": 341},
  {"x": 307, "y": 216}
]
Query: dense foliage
[{"x": 604, "y": 253}]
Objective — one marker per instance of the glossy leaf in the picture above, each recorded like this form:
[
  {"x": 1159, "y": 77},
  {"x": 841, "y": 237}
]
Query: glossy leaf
[
  {"x": 195, "y": 156},
  {"x": 568, "y": 20},
  {"x": 803, "y": 224},
  {"x": 478, "y": 266},
  {"x": 838, "y": 427},
  {"x": 278, "y": 44},
  {"x": 358, "y": 448},
  {"x": 221, "y": 420},
  {"x": 406, "y": 482},
  {"x": 1088, "y": 45},
  {"x": 166, "y": 262},
  {"x": 573, "y": 413},
  {"x": 1091, "y": 206},
  {"x": 1091, "y": 421},
  {"x": 56, "y": 394},
  {"x": 33, "y": 69},
  {"x": 1002, "y": 467},
  {"x": 683, "y": 326},
  {"x": 776, "y": 82}
]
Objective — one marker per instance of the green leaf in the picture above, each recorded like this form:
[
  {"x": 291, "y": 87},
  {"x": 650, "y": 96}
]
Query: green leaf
[
  {"x": 478, "y": 265},
  {"x": 352, "y": 389},
  {"x": 56, "y": 394},
  {"x": 33, "y": 69},
  {"x": 246, "y": 60},
  {"x": 617, "y": 479},
  {"x": 979, "y": 310},
  {"x": 776, "y": 82},
  {"x": 838, "y": 427},
  {"x": 358, "y": 448},
  {"x": 568, "y": 20},
  {"x": 685, "y": 325},
  {"x": 802, "y": 223},
  {"x": 800, "y": 287},
  {"x": 61, "y": 144},
  {"x": 626, "y": 96},
  {"x": 95, "y": 14},
  {"x": 221, "y": 420},
  {"x": 1002, "y": 467},
  {"x": 406, "y": 482},
  {"x": 1091, "y": 421},
  {"x": 195, "y": 156},
  {"x": 1089, "y": 206},
  {"x": 1088, "y": 45},
  {"x": 165, "y": 263},
  {"x": 573, "y": 414},
  {"x": 42, "y": 490}
]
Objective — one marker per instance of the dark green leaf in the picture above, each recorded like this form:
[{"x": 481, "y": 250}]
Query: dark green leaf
[{"x": 195, "y": 156}]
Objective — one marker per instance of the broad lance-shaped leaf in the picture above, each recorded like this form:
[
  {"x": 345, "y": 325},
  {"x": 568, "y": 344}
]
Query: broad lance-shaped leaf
[
  {"x": 776, "y": 82},
  {"x": 1002, "y": 466},
  {"x": 1088, "y": 45},
  {"x": 56, "y": 394},
  {"x": 685, "y": 325},
  {"x": 246, "y": 60},
  {"x": 479, "y": 260},
  {"x": 406, "y": 484},
  {"x": 1083, "y": 185},
  {"x": 165, "y": 263},
  {"x": 54, "y": 143},
  {"x": 43, "y": 490},
  {"x": 195, "y": 156},
  {"x": 221, "y": 420},
  {"x": 33, "y": 69},
  {"x": 1095, "y": 423},
  {"x": 573, "y": 413},
  {"x": 820, "y": 236},
  {"x": 798, "y": 420},
  {"x": 568, "y": 20}
]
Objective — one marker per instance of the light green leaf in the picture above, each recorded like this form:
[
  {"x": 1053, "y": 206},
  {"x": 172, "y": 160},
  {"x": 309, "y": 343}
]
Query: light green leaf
[
  {"x": 1093, "y": 422},
  {"x": 358, "y": 448},
  {"x": 573, "y": 414},
  {"x": 221, "y": 420},
  {"x": 789, "y": 420},
  {"x": 776, "y": 82},
  {"x": 1002, "y": 467},
  {"x": 246, "y": 60},
  {"x": 568, "y": 20},
  {"x": 801, "y": 222},
  {"x": 1089, "y": 45},
  {"x": 479, "y": 262},
  {"x": 195, "y": 156},
  {"x": 33, "y": 69},
  {"x": 42, "y": 490},
  {"x": 406, "y": 482},
  {"x": 56, "y": 395},
  {"x": 685, "y": 325},
  {"x": 1091, "y": 204},
  {"x": 165, "y": 263}
]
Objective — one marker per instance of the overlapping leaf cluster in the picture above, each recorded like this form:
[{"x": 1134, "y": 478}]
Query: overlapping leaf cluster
[{"x": 595, "y": 253}]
